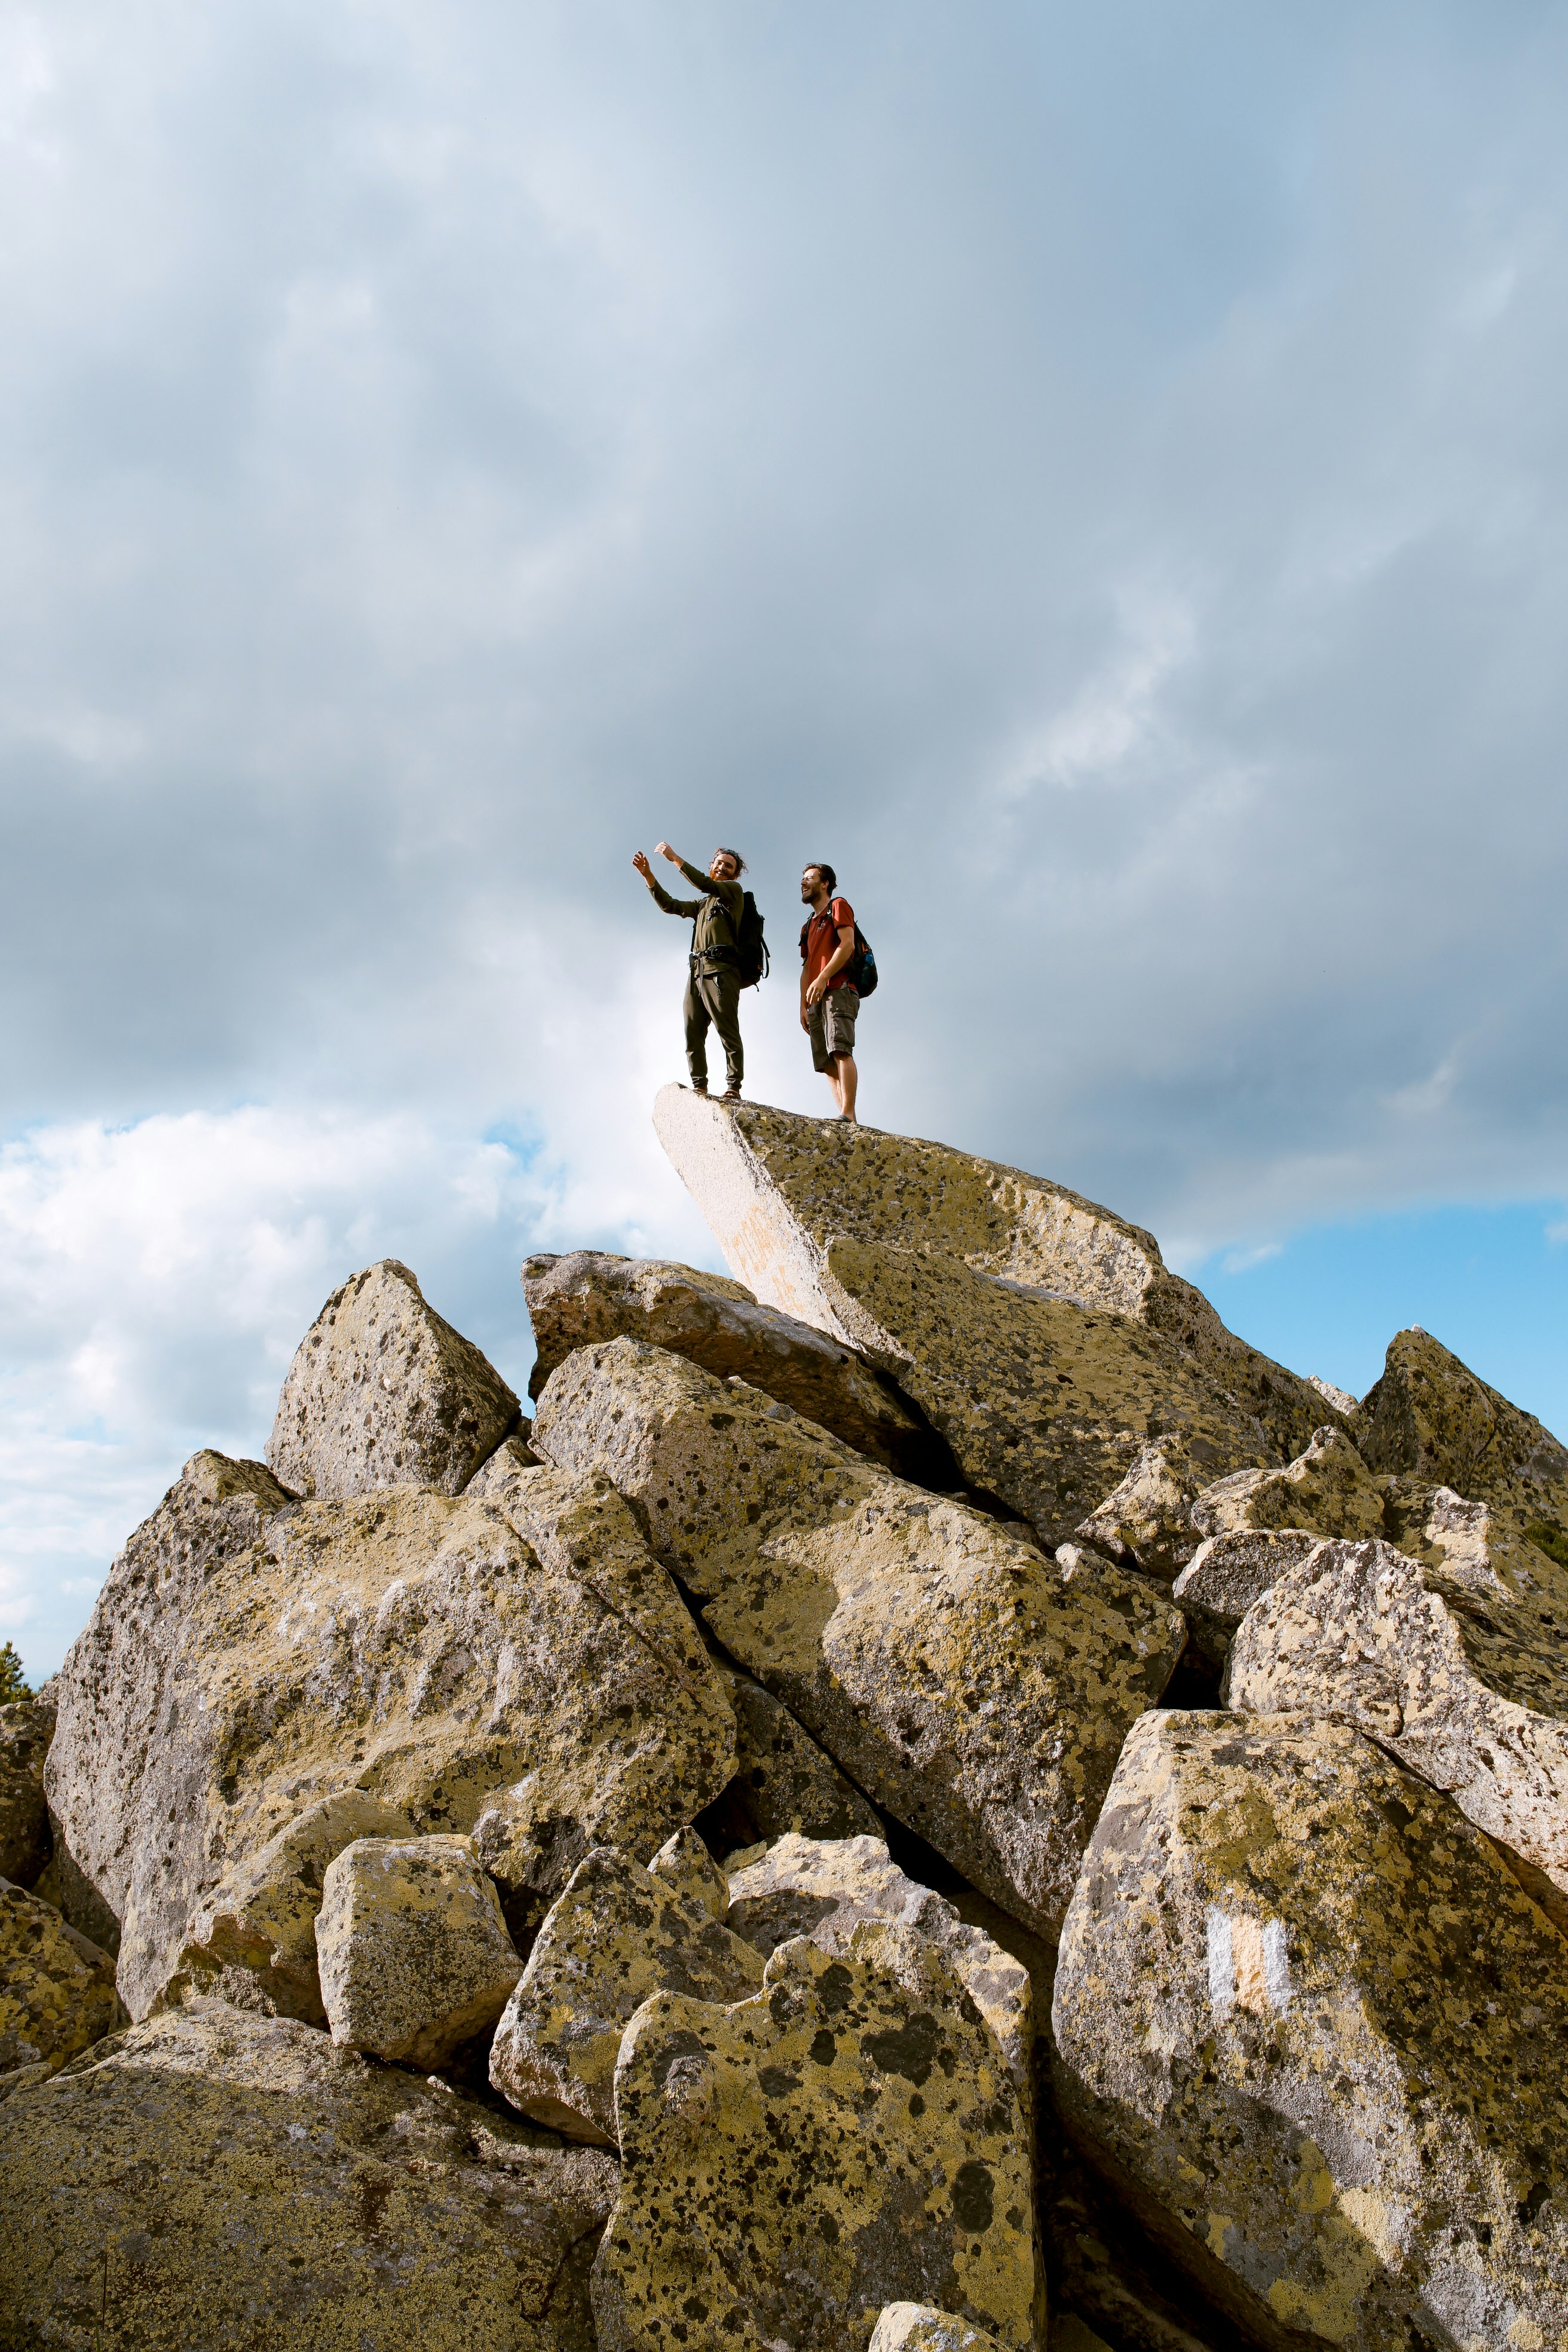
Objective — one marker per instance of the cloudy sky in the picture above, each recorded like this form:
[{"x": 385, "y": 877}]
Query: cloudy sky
[{"x": 1098, "y": 475}]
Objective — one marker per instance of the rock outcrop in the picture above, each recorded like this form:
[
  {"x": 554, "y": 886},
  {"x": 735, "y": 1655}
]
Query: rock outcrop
[
  {"x": 1228, "y": 1573},
  {"x": 845, "y": 2139},
  {"x": 26, "y": 1730},
  {"x": 214, "y": 2177},
  {"x": 1452, "y": 1684},
  {"x": 1429, "y": 1418},
  {"x": 250, "y": 1654},
  {"x": 806, "y": 1886},
  {"x": 1146, "y": 1521},
  {"x": 1309, "y": 2023},
  {"x": 590, "y": 1296},
  {"x": 1327, "y": 1490},
  {"x": 616, "y": 1935},
  {"x": 413, "y": 1953},
  {"x": 778, "y": 1190},
  {"x": 57, "y": 1991},
  {"x": 946, "y": 1665},
  {"x": 253, "y": 1940},
  {"x": 383, "y": 1392},
  {"x": 782, "y": 1782}
]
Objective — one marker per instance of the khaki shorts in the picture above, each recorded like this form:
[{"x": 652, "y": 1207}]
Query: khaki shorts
[{"x": 833, "y": 1026}]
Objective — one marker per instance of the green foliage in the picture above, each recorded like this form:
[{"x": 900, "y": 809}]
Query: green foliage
[
  {"x": 1549, "y": 1539},
  {"x": 13, "y": 1682}
]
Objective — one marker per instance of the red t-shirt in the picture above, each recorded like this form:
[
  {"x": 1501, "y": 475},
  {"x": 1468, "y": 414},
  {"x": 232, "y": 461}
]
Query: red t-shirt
[{"x": 821, "y": 941}]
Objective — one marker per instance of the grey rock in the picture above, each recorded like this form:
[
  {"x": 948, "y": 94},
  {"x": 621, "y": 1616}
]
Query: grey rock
[
  {"x": 1146, "y": 1521},
  {"x": 1327, "y": 1489},
  {"x": 1309, "y": 2026},
  {"x": 214, "y": 2178},
  {"x": 383, "y": 1392},
  {"x": 1228, "y": 1573},
  {"x": 947, "y": 1667},
  {"x": 414, "y": 1953},
  {"x": 921, "y": 2328},
  {"x": 592, "y": 1295},
  {"x": 1429, "y": 1418}
]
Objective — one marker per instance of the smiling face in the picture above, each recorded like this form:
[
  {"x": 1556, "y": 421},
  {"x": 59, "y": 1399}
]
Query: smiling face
[
  {"x": 723, "y": 868},
  {"x": 810, "y": 885}
]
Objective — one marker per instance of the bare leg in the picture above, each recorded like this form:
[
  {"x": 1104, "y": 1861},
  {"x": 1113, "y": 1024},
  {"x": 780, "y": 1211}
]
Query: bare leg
[{"x": 844, "y": 1079}]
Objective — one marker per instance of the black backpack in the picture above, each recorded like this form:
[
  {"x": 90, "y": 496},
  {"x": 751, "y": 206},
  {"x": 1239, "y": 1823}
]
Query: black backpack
[{"x": 751, "y": 948}]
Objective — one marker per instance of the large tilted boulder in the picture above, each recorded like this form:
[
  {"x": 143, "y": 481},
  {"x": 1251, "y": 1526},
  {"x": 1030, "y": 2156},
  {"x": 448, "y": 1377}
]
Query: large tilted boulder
[
  {"x": 413, "y": 1953},
  {"x": 57, "y": 1991},
  {"x": 946, "y": 1665},
  {"x": 778, "y": 1190},
  {"x": 619, "y": 1934},
  {"x": 808, "y": 1886},
  {"x": 1311, "y": 2027},
  {"x": 218, "y": 2177},
  {"x": 1430, "y": 1419},
  {"x": 383, "y": 1392},
  {"x": 26, "y": 1730},
  {"x": 847, "y": 2138},
  {"x": 782, "y": 1782},
  {"x": 253, "y": 1940},
  {"x": 1462, "y": 1684},
  {"x": 1327, "y": 1489},
  {"x": 591, "y": 1296},
  {"x": 250, "y": 1655}
]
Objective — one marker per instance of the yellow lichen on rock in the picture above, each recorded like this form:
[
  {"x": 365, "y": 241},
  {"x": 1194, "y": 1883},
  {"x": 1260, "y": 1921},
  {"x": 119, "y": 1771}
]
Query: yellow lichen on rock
[
  {"x": 848, "y": 2139},
  {"x": 1328, "y": 1491},
  {"x": 1311, "y": 2027},
  {"x": 1429, "y": 1418},
  {"x": 219, "y": 2176},
  {"x": 57, "y": 1991},
  {"x": 414, "y": 1953}
]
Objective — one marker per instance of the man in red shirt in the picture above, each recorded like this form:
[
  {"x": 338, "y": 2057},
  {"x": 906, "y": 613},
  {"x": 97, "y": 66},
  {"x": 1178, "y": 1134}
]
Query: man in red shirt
[{"x": 829, "y": 1000}]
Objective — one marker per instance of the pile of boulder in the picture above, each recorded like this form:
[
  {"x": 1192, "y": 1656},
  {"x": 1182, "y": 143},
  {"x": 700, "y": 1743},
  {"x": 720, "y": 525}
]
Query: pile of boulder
[{"x": 928, "y": 1798}]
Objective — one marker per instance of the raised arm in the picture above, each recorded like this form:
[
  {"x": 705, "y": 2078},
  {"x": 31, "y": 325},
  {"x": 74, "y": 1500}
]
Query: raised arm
[{"x": 689, "y": 907}]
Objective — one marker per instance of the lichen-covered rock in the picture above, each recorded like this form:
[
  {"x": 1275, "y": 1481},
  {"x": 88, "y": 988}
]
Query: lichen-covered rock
[
  {"x": 217, "y": 2179},
  {"x": 591, "y": 1296},
  {"x": 57, "y": 1991},
  {"x": 249, "y": 1654},
  {"x": 1452, "y": 1683},
  {"x": 383, "y": 1392},
  {"x": 1104, "y": 2273},
  {"x": 1430, "y": 1419},
  {"x": 1146, "y": 1521},
  {"x": 782, "y": 1782},
  {"x": 492, "y": 1481},
  {"x": 1312, "y": 2028},
  {"x": 684, "y": 1867},
  {"x": 253, "y": 1940},
  {"x": 26, "y": 1730},
  {"x": 808, "y": 1886},
  {"x": 921, "y": 2328},
  {"x": 848, "y": 2139},
  {"x": 414, "y": 1953},
  {"x": 1328, "y": 1490},
  {"x": 945, "y": 1665},
  {"x": 777, "y": 1190},
  {"x": 1228, "y": 1573},
  {"x": 1341, "y": 1399},
  {"x": 619, "y": 1934}
]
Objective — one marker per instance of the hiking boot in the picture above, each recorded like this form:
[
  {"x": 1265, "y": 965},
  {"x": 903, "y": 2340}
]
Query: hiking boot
[
  {"x": 698, "y": 1090},
  {"x": 730, "y": 1094}
]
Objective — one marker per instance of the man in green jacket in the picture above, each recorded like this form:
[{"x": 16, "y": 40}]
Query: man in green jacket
[{"x": 713, "y": 989}]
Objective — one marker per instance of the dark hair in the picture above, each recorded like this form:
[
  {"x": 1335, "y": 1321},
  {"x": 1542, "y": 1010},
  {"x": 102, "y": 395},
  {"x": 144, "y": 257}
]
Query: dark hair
[
  {"x": 740, "y": 861},
  {"x": 825, "y": 871}
]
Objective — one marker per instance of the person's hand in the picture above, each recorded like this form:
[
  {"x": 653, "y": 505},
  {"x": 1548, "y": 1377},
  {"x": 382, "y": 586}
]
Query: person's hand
[
  {"x": 663, "y": 849},
  {"x": 644, "y": 869},
  {"x": 817, "y": 990},
  {"x": 804, "y": 1021}
]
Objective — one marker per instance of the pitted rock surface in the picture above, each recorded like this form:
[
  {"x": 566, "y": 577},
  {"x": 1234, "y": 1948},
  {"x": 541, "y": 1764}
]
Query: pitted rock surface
[
  {"x": 57, "y": 1991},
  {"x": 1228, "y": 1573},
  {"x": 383, "y": 1392},
  {"x": 1310, "y": 2026},
  {"x": 806, "y": 1886},
  {"x": 617, "y": 1934},
  {"x": 782, "y": 1782},
  {"x": 946, "y": 1665},
  {"x": 249, "y": 2183},
  {"x": 1429, "y": 1418},
  {"x": 248, "y": 1653},
  {"x": 592, "y": 1295},
  {"x": 414, "y": 1953},
  {"x": 778, "y": 1190},
  {"x": 26, "y": 1731},
  {"x": 848, "y": 2139},
  {"x": 1450, "y": 1683},
  {"x": 1146, "y": 1521},
  {"x": 1328, "y": 1490},
  {"x": 253, "y": 1940}
]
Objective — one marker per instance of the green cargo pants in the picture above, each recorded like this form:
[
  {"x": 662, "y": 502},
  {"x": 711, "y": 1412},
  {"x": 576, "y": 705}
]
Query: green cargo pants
[{"x": 714, "y": 996}]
